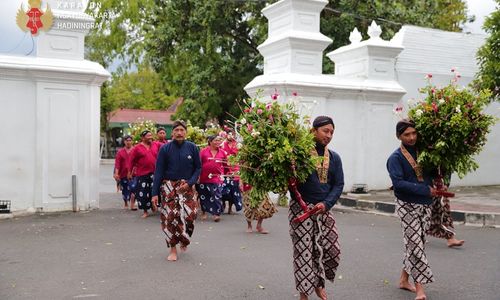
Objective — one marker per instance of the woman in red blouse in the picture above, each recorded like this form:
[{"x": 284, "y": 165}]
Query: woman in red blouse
[
  {"x": 142, "y": 165},
  {"x": 213, "y": 163}
]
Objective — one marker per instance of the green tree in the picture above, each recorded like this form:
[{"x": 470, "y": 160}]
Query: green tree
[
  {"x": 207, "y": 50},
  {"x": 140, "y": 90},
  {"x": 488, "y": 55}
]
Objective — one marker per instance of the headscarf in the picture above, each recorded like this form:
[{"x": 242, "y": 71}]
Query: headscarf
[
  {"x": 321, "y": 121},
  {"x": 403, "y": 125}
]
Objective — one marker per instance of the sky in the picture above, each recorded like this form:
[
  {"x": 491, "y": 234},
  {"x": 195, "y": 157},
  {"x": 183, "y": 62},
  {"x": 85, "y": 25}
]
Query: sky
[{"x": 13, "y": 41}]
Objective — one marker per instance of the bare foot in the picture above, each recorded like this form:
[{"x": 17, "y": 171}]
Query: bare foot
[
  {"x": 145, "y": 215},
  {"x": 321, "y": 293},
  {"x": 262, "y": 230},
  {"x": 183, "y": 248},
  {"x": 125, "y": 206},
  {"x": 249, "y": 230},
  {"x": 405, "y": 285},
  {"x": 203, "y": 216},
  {"x": 453, "y": 242},
  {"x": 216, "y": 218},
  {"x": 420, "y": 292},
  {"x": 173, "y": 254},
  {"x": 303, "y": 296}
]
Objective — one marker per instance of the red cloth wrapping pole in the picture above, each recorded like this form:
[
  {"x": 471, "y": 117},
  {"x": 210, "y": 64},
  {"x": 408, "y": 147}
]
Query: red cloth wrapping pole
[
  {"x": 306, "y": 215},
  {"x": 292, "y": 182},
  {"x": 445, "y": 194}
]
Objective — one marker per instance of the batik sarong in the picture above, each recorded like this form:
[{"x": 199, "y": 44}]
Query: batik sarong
[
  {"x": 231, "y": 193},
  {"x": 210, "y": 195},
  {"x": 316, "y": 249},
  {"x": 143, "y": 191},
  {"x": 126, "y": 190},
  {"x": 441, "y": 223},
  {"x": 414, "y": 222},
  {"x": 265, "y": 210},
  {"x": 178, "y": 213}
]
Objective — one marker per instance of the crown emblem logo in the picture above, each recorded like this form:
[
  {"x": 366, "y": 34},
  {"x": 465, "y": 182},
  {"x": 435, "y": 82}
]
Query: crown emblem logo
[{"x": 34, "y": 19}]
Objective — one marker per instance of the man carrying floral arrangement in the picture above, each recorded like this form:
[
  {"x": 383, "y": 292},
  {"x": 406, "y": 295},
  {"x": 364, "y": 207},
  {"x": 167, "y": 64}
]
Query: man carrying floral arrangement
[
  {"x": 316, "y": 249},
  {"x": 414, "y": 196}
]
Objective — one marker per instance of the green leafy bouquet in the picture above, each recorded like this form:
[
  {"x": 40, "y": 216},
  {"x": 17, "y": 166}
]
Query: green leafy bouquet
[
  {"x": 277, "y": 145},
  {"x": 135, "y": 129},
  {"x": 195, "y": 134},
  {"x": 452, "y": 127},
  {"x": 199, "y": 136}
]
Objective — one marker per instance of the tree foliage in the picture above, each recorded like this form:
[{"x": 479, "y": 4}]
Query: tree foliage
[
  {"x": 489, "y": 56},
  {"x": 142, "y": 89},
  {"x": 206, "y": 50}
]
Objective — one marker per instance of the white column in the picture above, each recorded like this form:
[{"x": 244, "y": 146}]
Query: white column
[{"x": 55, "y": 96}]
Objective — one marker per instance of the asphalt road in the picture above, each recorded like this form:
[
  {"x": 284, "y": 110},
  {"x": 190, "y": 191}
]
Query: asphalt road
[{"x": 114, "y": 254}]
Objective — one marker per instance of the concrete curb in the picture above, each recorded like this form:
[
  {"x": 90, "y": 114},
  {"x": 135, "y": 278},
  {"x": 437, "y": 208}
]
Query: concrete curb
[{"x": 464, "y": 217}]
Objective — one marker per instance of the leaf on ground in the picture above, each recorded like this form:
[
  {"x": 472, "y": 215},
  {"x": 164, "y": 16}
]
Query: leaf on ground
[
  {"x": 243, "y": 247},
  {"x": 109, "y": 243},
  {"x": 340, "y": 277},
  {"x": 261, "y": 287},
  {"x": 386, "y": 282}
]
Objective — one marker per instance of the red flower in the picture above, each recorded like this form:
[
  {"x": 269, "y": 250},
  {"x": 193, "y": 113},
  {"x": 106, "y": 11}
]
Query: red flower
[
  {"x": 434, "y": 107},
  {"x": 269, "y": 106},
  {"x": 294, "y": 94},
  {"x": 275, "y": 95},
  {"x": 246, "y": 110},
  {"x": 249, "y": 127},
  {"x": 259, "y": 111}
]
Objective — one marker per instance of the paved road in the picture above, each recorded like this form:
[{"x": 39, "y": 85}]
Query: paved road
[{"x": 114, "y": 254}]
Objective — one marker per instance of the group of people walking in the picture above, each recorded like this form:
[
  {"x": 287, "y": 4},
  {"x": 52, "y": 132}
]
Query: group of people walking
[
  {"x": 169, "y": 175},
  {"x": 177, "y": 179}
]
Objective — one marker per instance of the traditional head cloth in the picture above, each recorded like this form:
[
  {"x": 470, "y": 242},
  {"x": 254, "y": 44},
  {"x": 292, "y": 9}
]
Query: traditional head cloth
[
  {"x": 143, "y": 134},
  {"x": 179, "y": 123},
  {"x": 160, "y": 129},
  {"x": 322, "y": 121},
  {"x": 127, "y": 137},
  {"x": 403, "y": 125}
]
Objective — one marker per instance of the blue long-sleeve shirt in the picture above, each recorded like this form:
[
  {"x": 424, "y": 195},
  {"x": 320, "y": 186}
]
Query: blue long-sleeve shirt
[
  {"x": 175, "y": 162},
  {"x": 314, "y": 192},
  {"x": 404, "y": 180}
]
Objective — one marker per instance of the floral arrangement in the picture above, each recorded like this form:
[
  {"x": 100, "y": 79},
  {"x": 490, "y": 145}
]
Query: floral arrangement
[
  {"x": 452, "y": 127},
  {"x": 136, "y": 128},
  {"x": 199, "y": 136},
  {"x": 276, "y": 145},
  {"x": 196, "y": 135},
  {"x": 212, "y": 129}
]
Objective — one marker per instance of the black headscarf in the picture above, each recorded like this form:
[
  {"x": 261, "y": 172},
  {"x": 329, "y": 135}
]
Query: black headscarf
[
  {"x": 322, "y": 121},
  {"x": 403, "y": 125},
  {"x": 179, "y": 123}
]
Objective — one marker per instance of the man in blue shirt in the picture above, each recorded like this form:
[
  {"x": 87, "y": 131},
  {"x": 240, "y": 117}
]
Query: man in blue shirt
[
  {"x": 316, "y": 249},
  {"x": 178, "y": 167},
  {"x": 414, "y": 195}
]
